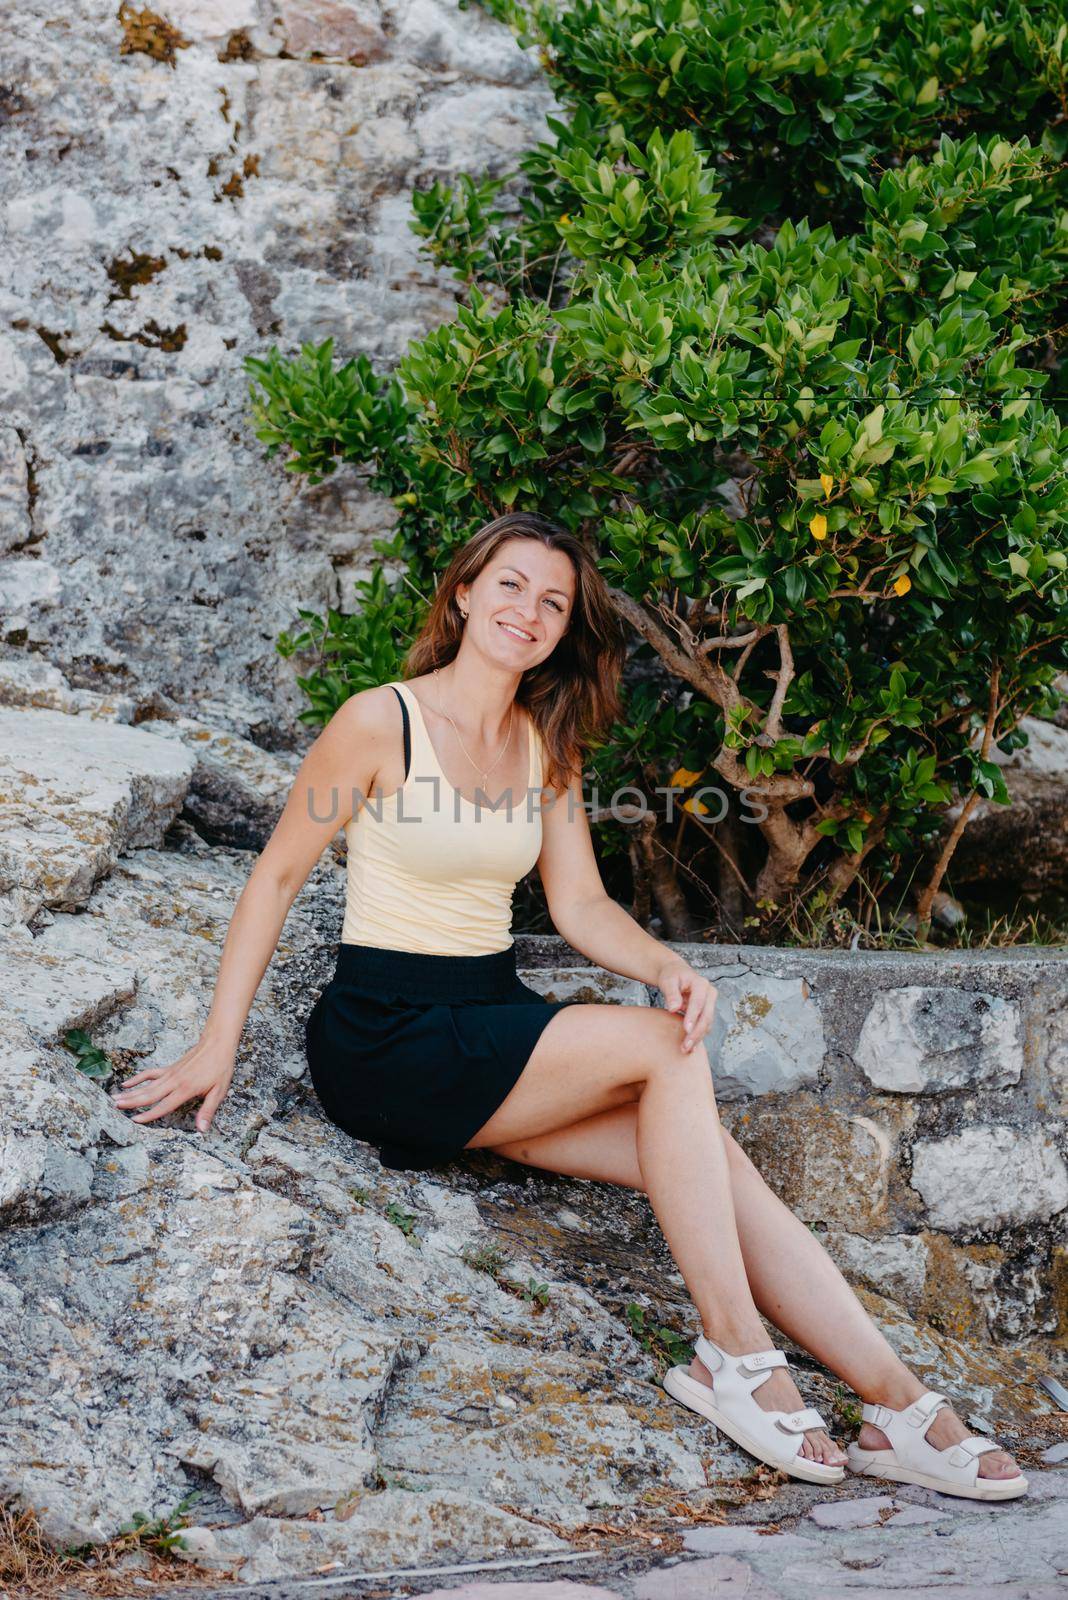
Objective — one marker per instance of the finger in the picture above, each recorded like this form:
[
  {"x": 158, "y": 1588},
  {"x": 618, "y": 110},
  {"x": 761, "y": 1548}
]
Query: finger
[
  {"x": 139, "y": 1077},
  {"x": 693, "y": 1010},
  {"x": 703, "y": 1021},
  {"x": 709, "y": 1013},
  {"x": 145, "y": 1095},
  {"x": 212, "y": 1101},
  {"x": 700, "y": 1030},
  {"x": 171, "y": 1102},
  {"x": 696, "y": 1006}
]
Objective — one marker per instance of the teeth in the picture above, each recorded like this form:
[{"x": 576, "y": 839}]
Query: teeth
[{"x": 517, "y": 631}]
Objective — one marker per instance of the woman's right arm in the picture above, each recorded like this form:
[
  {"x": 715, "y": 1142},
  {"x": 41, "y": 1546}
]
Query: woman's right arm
[{"x": 332, "y": 778}]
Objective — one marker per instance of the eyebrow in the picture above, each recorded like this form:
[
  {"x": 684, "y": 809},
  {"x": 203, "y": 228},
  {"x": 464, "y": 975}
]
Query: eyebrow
[{"x": 523, "y": 575}]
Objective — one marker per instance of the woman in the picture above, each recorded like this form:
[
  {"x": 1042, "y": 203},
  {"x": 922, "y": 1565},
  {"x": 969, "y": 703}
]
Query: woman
[{"x": 426, "y": 1042}]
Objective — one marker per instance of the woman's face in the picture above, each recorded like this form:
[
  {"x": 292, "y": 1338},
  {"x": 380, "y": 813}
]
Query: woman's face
[{"x": 520, "y": 604}]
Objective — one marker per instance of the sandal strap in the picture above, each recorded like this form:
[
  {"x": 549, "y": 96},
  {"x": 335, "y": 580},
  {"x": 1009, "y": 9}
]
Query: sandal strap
[
  {"x": 763, "y": 1360},
  {"x": 959, "y": 1455},
  {"x": 799, "y": 1421},
  {"x": 917, "y": 1415},
  {"x": 757, "y": 1361}
]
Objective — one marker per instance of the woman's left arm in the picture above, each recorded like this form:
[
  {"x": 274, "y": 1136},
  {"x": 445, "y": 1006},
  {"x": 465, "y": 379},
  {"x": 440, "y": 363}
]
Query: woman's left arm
[{"x": 594, "y": 925}]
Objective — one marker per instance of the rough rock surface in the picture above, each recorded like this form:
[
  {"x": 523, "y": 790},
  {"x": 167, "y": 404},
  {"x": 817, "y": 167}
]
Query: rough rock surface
[
  {"x": 375, "y": 1369},
  {"x": 908, "y": 1545},
  {"x": 162, "y": 220},
  {"x": 75, "y": 792}
]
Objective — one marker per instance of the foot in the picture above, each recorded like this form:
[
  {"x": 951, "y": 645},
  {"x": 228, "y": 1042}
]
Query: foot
[
  {"x": 945, "y": 1430},
  {"x": 779, "y": 1393}
]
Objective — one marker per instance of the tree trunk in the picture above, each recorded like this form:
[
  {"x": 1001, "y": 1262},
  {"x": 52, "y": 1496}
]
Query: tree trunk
[{"x": 660, "y": 873}]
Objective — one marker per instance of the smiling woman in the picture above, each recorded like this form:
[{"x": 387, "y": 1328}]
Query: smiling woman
[{"x": 426, "y": 1042}]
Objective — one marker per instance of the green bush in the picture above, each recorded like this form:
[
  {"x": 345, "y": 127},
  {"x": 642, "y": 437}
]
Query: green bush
[
  {"x": 794, "y": 100},
  {"x": 817, "y": 463}
]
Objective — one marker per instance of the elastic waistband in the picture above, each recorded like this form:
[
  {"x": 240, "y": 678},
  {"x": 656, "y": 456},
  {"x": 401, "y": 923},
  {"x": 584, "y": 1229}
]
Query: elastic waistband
[{"x": 427, "y": 976}]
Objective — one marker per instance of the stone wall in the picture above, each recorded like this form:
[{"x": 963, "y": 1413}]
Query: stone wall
[
  {"x": 910, "y": 1108},
  {"x": 163, "y": 218}
]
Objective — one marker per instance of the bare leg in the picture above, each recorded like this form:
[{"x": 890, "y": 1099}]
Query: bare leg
[
  {"x": 678, "y": 1148},
  {"x": 794, "y": 1282}
]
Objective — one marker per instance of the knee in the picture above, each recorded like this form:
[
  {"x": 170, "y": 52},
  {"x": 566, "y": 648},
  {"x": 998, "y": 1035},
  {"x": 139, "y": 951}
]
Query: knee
[{"x": 668, "y": 1057}]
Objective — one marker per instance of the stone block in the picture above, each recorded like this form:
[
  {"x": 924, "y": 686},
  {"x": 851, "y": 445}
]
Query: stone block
[
  {"x": 725, "y": 1577},
  {"x": 30, "y": 682},
  {"x": 918, "y": 1040},
  {"x": 866, "y": 1513},
  {"x": 16, "y": 527},
  {"x": 990, "y": 1177},
  {"x": 237, "y": 791},
  {"x": 826, "y": 1165},
  {"x": 766, "y": 1036}
]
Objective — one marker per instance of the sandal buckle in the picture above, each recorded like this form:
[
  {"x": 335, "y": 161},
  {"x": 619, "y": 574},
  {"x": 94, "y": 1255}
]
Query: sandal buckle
[
  {"x": 762, "y": 1360},
  {"x": 920, "y": 1413}
]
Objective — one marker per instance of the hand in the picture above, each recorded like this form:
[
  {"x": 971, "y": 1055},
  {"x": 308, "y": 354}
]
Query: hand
[
  {"x": 203, "y": 1072},
  {"x": 685, "y": 990}
]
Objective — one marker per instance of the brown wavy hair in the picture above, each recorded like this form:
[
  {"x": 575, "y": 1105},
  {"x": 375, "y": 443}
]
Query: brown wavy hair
[{"x": 572, "y": 696}]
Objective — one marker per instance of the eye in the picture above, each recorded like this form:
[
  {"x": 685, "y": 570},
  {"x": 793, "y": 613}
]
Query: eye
[{"x": 554, "y": 603}]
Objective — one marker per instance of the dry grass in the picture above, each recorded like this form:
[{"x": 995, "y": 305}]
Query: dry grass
[{"x": 33, "y": 1569}]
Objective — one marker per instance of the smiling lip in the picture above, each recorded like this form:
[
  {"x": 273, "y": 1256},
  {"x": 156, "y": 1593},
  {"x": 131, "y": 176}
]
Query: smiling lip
[{"x": 507, "y": 625}]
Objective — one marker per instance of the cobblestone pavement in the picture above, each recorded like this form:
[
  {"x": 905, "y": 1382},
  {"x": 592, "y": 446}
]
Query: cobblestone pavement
[{"x": 856, "y": 1547}]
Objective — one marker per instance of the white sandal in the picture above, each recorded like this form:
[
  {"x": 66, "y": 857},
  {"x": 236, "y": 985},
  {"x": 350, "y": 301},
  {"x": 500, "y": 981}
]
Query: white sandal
[
  {"x": 774, "y": 1437},
  {"x": 954, "y": 1470}
]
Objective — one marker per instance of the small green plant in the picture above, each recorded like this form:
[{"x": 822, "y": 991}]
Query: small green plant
[
  {"x": 404, "y": 1220},
  {"x": 489, "y": 1258},
  {"x": 667, "y": 1347},
  {"x": 160, "y": 1534},
  {"x": 846, "y": 1407},
  {"x": 493, "y": 1260},
  {"x": 360, "y": 1196},
  {"x": 93, "y": 1061}
]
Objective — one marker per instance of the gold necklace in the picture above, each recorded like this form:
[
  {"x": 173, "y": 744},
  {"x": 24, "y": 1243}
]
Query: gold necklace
[{"x": 507, "y": 737}]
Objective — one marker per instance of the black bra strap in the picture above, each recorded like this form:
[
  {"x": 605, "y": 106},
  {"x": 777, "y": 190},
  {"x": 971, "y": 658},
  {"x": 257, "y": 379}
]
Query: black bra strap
[{"x": 407, "y": 731}]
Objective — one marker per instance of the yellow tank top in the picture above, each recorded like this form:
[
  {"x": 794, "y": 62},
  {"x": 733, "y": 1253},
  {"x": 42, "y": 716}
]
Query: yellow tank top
[{"x": 431, "y": 871}]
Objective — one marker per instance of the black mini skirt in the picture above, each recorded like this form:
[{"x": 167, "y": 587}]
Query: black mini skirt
[{"x": 414, "y": 1053}]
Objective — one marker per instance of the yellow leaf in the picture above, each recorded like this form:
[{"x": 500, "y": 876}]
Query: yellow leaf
[
  {"x": 818, "y": 526},
  {"x": 694, "y": 805},
  {"x": 903, "y": 584},
  {"x": 827, "y": 482},
  {"x": 683, "y": 779}
]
